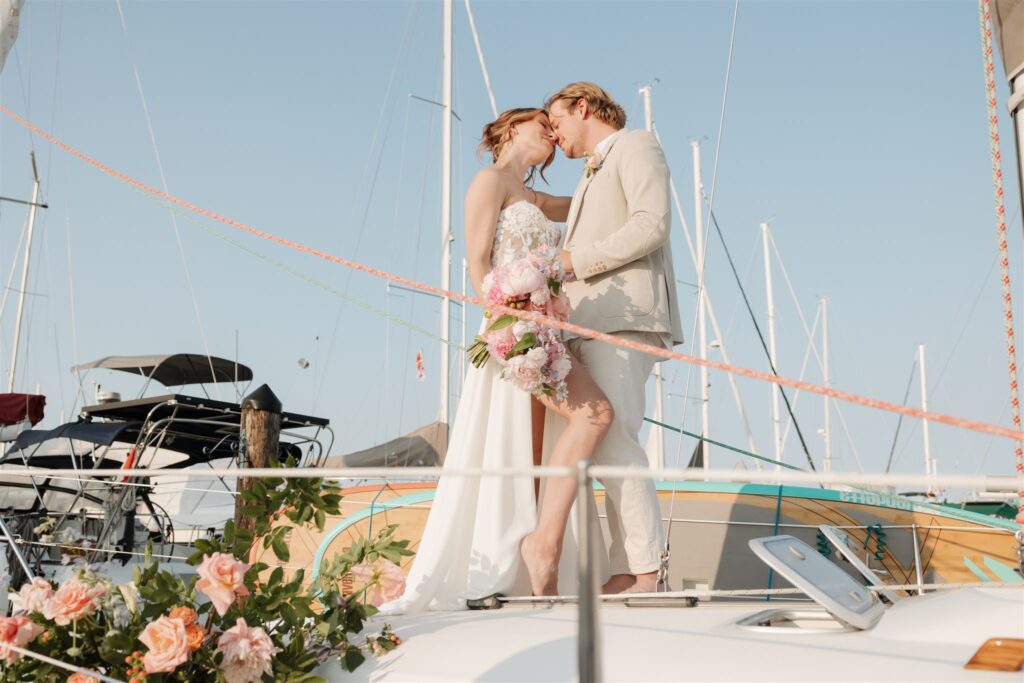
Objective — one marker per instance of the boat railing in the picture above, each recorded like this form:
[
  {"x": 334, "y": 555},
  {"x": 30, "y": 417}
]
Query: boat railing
[{"x": 585, "y": 474}]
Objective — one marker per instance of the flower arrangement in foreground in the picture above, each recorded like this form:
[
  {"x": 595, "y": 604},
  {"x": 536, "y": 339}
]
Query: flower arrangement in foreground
[
  {"x": 225, "y": 623},
  {"x": 532, "y": 356}
]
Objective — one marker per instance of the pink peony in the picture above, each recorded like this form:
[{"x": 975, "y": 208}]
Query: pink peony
[
  {"x": 222, "y": 577},
  {"x": 523, "y": 328},
  {"x": 167, "y": 643},
  {"x": 35, "y": 594},
  {"x": 388, "y": 582},
  {"x": 521, "y": 277},
  {"x": 73, "y": 601},
  {"x": 248, "y": 653},
  {"x": 17, "y": 631}
]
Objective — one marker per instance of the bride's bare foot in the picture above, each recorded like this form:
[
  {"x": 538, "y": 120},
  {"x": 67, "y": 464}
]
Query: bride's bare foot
[{"x": 541, "y": 565}]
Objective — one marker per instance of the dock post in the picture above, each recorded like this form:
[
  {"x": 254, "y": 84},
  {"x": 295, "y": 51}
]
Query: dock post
[{"x": 259, "y": 442}]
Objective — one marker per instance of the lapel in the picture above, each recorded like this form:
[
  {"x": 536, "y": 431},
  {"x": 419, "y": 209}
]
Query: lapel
[{"x": 581, "y": 189}]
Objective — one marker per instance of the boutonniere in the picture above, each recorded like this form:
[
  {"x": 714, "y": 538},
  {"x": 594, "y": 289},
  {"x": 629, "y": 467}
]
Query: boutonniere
[{"x": 593, "y": 162}]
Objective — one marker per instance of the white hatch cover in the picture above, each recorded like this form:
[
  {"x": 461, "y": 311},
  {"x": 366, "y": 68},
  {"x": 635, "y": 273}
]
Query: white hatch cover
[{"x": 830, "y": 586}]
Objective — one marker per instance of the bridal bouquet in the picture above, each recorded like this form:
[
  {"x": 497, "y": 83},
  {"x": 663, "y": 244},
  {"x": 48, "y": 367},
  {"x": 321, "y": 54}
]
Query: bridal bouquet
[{"x": 532, "y": 356}]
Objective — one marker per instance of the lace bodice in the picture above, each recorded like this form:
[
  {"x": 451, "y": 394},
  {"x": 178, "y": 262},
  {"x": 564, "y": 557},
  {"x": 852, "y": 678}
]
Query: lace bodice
[{"x": 522, "y": 228}]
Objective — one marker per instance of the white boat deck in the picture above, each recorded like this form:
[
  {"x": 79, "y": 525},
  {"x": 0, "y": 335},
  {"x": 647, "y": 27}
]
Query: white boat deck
[{"x": 927, "y": 638}]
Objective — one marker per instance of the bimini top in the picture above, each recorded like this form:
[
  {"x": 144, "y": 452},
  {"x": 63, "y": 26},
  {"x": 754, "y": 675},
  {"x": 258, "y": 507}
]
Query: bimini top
[{"x": 175, "y": 369}]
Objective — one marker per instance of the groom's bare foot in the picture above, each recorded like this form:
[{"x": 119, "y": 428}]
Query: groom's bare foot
[
  {"x": 644, "y": 583},
  {"x": 618, "y": 584},
  {"x": 541, "y": 565}
]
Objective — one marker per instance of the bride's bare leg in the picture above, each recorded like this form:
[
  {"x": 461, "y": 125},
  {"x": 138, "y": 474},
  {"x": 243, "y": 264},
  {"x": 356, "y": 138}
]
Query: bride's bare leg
[
  {"x": 589, "y": 416},
  {"x": 538, "y": 411}
]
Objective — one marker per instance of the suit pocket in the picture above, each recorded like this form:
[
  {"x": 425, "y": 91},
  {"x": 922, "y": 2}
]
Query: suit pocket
[{"x": 630, "y": 292}]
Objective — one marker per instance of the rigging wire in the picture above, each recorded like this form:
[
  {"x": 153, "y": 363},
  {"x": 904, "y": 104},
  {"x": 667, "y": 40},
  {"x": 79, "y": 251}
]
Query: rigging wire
[
  {"x": 163, "y": 184},
  {"x": 480, "y": 57},
  {"x": 899, "y": 422},
  {"x": 760, "y": 336}
]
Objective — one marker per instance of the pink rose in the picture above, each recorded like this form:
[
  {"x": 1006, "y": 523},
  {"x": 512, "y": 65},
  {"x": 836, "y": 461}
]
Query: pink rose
[
  {"x": 35, "y": 594},
  {"x": 558, "y": 307},
  {"x": 222, "y": 577},
  {"x": 73, "y": 601},
  {"x": 385, "y": 580},
  {"x": 248, "y": 653},
  {"x": 17, "y": 631},
  {"x": 167, "y": 643}
]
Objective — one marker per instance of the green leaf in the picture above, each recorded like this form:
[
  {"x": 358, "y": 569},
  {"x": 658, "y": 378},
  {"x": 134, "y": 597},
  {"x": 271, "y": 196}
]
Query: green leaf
[
  {"x": 528, "y": 341},
  {"x": 503, "y": 322}
]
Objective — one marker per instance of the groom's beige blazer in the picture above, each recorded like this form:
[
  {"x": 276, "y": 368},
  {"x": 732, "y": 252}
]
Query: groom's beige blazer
[{"x": 618, "y": 236}]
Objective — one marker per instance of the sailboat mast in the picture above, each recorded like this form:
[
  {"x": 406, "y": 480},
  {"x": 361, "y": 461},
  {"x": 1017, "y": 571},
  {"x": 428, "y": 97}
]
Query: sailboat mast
[
  {"x": 773, "y": 356},
  {"x": 825, "y": 380},
  {"x": 929, "y": 464},
  {"x": 659, "y": 382},
  {"x": 24, "y": 273},
  {"x": 446, "y": 207},
  {"x": 702, "y": 327}
]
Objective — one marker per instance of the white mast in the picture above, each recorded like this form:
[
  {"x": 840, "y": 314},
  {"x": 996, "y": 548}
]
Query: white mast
[
  {"x": 698, "y": 228},
  {"x": 446, "y": 206},
  {"x": 825, "y": 380},
  {"x": 659, "y": 383},
  {"x": 776, "y": 437},
  {"x": 929, "y": 464},
  {"x": 24, "y": 273}
]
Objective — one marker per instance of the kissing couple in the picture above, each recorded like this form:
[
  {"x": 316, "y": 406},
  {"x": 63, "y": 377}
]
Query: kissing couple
[{"x": 491, "y": 534}]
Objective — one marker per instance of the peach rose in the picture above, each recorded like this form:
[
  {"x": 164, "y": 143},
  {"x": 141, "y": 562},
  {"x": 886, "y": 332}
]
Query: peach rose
[
  {"x": 222, "y": 577},
  {"x": 82, "y": 678},
  {"x": 35, "y": 594},
  {"x": 385, "y": 579},
  {"x": 195, "y": 634},
  {"x": 17, "y": 631},
  {"x": 167, "y": 643},
  {"x": 73, "y": 601},
  {"x": 187, "y": 615},
  {"x": 248, "y": 653}
]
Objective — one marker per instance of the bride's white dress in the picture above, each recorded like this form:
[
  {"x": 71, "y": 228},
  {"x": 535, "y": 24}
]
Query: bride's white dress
[{"x": 470, "y": 546}]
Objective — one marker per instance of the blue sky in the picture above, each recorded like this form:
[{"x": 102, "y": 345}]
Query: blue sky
[{"x": 857, "y": 128}]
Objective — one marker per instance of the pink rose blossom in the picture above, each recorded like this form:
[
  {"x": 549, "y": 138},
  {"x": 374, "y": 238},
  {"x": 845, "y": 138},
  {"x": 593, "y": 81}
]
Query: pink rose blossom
[
  {"x": 167, "y": 643},
  {"x": 390, "y": 582},
  {"x": 222, "y": 577},
  {"x": 17, "y": 631},
  {"x": 35, "y": 594},
  {"x": 248, "y": 653},
  {"x": 73, "y": 601}
]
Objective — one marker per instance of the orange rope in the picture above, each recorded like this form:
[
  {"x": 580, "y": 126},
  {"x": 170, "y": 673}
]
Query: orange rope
[{"x": 982, "y": 427}]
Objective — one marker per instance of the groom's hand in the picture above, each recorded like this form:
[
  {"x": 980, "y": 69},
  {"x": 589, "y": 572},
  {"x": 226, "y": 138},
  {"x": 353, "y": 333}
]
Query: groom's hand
[{"x": 566, "y": 258}]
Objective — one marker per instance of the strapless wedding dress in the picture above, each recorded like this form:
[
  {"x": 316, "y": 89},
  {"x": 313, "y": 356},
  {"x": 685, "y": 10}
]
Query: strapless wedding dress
[{"x": 470, "y": 545}]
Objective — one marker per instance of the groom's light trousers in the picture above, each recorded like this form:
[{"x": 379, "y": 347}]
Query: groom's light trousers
[{"x": 634, "y": 515}]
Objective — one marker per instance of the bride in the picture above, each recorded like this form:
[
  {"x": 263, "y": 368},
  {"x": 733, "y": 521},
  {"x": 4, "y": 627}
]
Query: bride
[{"x": 485, "y": 535}]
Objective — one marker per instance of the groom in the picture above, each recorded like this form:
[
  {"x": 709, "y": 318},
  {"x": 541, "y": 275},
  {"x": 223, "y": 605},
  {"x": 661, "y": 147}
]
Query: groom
[{"x": 617, "y": 244}]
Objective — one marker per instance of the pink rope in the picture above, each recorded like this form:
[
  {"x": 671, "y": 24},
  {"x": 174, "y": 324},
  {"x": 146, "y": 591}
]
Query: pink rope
[
  {"x": 1004, "y": 261},
  {"x": 941, "y": 418}
]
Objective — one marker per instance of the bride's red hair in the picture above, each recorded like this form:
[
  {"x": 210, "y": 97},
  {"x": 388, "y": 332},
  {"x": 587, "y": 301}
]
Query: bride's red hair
[{"x": 498, "y": 134}]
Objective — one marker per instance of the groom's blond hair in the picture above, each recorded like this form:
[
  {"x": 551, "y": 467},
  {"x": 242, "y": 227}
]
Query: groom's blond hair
[{"x": 600, "y": 103}]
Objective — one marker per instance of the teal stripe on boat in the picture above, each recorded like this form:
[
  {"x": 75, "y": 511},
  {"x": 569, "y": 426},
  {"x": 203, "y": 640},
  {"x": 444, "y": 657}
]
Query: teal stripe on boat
[
  {"x": 401, "y": 501},
  {"x": 977, "y": 570},
  {"x": 1002, "y": 572}
]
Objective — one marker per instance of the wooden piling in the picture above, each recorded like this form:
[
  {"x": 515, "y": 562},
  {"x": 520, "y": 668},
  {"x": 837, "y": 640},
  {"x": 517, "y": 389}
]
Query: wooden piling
[{"x": 261, "y": 432}]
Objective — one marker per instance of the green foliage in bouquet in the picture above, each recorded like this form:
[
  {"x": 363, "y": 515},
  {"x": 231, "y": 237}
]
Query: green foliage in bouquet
[{"x": 225, "y": 623}]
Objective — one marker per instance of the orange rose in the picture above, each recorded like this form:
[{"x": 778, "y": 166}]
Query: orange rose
[
  {"x": 195, "y": 634},
  {"x": 81, "y": 678},
  {"x": 167, "y": 643},
  {"x": 187, "y": 615}
]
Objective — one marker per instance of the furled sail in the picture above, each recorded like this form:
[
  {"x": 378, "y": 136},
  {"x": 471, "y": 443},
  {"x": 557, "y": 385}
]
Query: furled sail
[{"x": 9, "y": 11}]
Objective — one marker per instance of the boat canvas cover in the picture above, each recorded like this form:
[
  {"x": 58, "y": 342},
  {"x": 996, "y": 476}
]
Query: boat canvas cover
[
  {"x": 424, "y": 447},
  {"x": 15, "y": 408},
  {"x": 176, "y": 369},
  {"x": 101, "y": 433},
  {"x": 9, "y": 11},
  {"x": 1008, "y": 23}
]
